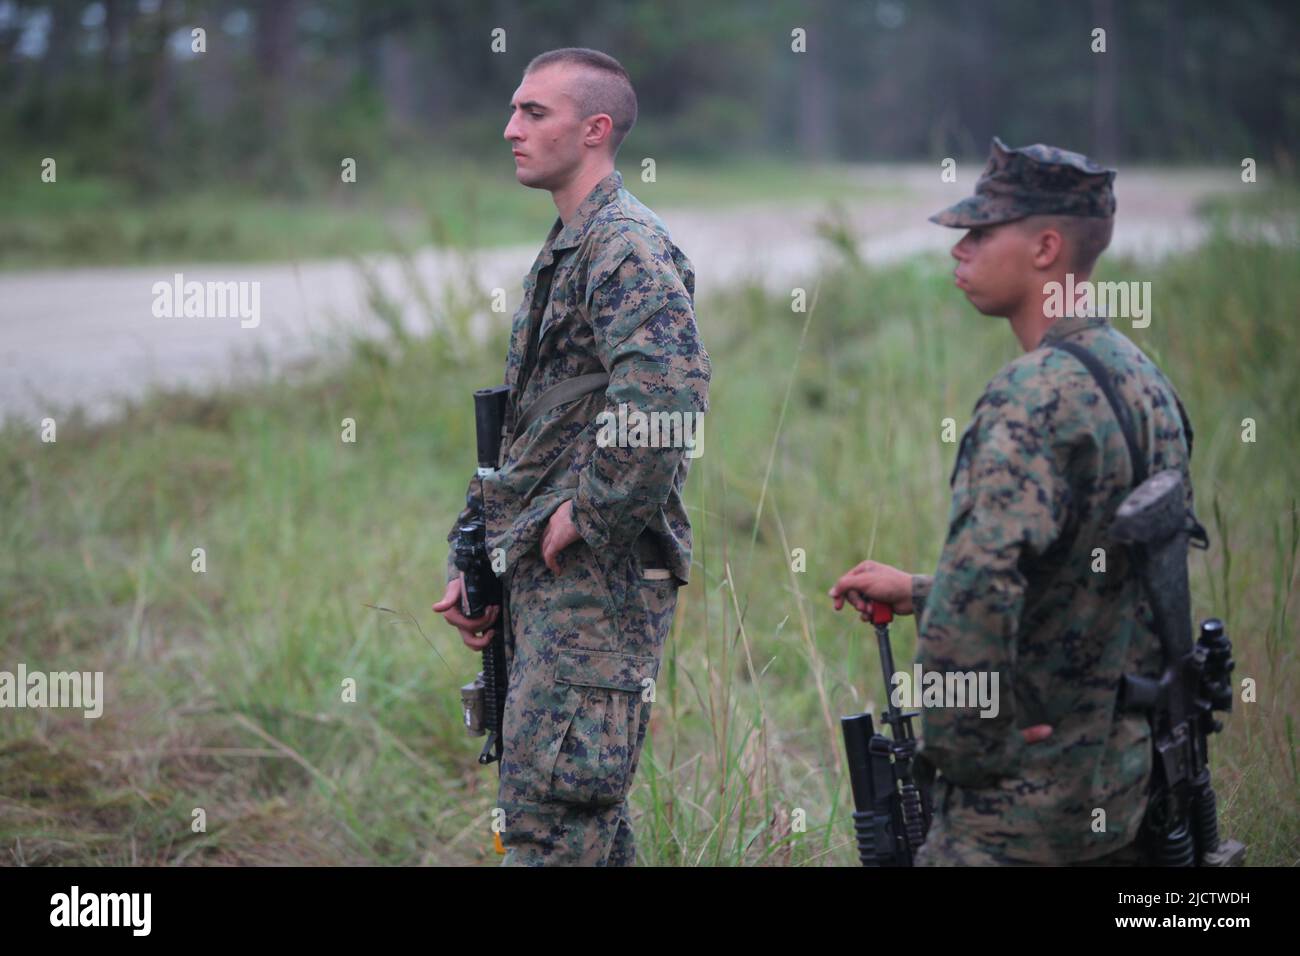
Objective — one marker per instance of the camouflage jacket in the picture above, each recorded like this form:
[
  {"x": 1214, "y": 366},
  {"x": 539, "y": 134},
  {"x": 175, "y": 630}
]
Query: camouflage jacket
[
  {"x": 620, "y": 301},
  {"x": 1019, "y": 591}
]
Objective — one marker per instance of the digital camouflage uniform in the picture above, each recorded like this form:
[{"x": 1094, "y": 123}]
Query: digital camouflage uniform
[
  {"x": 609, "y": 292},
  {"x": 1040, "y": 473}
]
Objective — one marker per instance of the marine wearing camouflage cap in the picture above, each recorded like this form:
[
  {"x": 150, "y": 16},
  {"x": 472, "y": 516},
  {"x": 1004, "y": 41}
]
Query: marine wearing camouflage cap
[
  {"x": 1057, "y": 773},
  {"x": 1033, "y": 180}
]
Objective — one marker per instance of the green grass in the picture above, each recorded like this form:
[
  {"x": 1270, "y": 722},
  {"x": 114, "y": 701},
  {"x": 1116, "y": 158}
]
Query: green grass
[
  {"x": 224, "y": 687},
  {"x": 84, "y": 219}
]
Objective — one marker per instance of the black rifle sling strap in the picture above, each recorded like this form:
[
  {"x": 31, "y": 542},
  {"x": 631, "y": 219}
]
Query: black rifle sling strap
[
  {"x": 1124, "y": 415},
  {"x": 1122, "y": 412},
  {"x": 559, "y": 394}
]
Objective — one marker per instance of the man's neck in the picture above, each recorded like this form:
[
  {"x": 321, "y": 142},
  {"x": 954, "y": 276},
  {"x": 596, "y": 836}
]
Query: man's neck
[
  {"x": 1030, "y": 321},
  {"x": 570, "y": 196}
]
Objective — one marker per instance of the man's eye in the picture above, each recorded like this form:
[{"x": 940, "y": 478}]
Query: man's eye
[{"x": 534, "y": 115}]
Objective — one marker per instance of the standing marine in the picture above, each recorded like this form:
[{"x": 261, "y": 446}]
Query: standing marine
[
  {"x": 1019, "y": 590},
  {"x": 587, "y": 521}
]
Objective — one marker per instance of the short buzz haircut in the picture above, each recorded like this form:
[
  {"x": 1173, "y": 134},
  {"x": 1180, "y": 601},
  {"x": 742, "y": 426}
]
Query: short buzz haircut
[
  {"x": 600, "y": 86},
  {"x": 1086, "y": 237}
]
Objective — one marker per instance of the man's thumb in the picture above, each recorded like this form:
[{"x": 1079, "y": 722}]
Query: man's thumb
[{"x": 448, "y": 597}]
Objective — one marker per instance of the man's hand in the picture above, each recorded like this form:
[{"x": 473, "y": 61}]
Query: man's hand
[
  {"x": 873, "y": 581},
  {"x": 560, "y": 533},
  {"x": 449, "y": 608}
]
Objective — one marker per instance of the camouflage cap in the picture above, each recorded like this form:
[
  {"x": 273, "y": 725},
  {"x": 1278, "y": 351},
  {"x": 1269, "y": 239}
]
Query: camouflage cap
[{"x": 1033, "y": 180}]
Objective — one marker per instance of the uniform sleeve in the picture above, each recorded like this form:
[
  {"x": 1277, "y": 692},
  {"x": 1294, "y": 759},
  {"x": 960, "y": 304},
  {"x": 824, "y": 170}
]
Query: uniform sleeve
[
  {"x": 645, "y": 335},
  {"x": 1008, "y": 507},
  {"x": 921, "y": 584}
]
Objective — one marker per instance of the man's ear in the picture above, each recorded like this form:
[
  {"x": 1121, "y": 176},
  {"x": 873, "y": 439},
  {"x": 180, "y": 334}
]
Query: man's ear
[
  {"x": 598, "y": 130},
  {"x": 1048, "y": 247}
]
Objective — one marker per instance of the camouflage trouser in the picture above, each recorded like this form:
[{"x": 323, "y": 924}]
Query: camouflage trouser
[
  {"x": 587, "y": 646},
  {"x": 944, "y": 846}
]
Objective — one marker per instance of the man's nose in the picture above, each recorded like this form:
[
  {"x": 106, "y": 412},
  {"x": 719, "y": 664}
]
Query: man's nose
[{"x": 958, "y": 250}]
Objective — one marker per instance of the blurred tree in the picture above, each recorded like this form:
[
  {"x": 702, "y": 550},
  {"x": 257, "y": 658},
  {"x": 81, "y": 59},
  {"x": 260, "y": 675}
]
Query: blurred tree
[{"x": 285, "y": 86}]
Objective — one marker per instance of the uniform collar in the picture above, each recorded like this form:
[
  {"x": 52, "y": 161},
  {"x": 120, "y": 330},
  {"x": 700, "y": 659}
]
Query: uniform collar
[
  {"x": 1069, "y": 325},
  {"x": 567, "y": 237}
]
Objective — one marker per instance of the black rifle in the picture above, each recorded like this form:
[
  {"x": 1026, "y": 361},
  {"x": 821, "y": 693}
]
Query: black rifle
[
  {"x": 1181, "y": 826},
  {"x": 484, "y": 700},
  {"x": 892, "y": 802}
]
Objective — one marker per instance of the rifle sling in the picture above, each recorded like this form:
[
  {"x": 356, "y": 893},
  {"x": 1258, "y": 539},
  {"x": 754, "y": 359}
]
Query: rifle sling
[
  {"x": 559, "y": 394},
  {"x": 1122, "y": 412},
  {"x": 1138, "y": 464}
]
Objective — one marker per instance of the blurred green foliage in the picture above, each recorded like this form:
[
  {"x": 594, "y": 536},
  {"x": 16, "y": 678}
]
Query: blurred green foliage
[{"x": 285, "y": 89}]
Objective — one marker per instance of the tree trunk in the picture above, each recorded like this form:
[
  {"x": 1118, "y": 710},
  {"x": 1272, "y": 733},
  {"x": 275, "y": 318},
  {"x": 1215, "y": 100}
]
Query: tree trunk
[{"x": 1105, "y": 98}]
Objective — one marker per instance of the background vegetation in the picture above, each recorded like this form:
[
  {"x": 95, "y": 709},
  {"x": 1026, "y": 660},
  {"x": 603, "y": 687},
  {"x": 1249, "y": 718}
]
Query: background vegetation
[{"x": 225, "y": 686}]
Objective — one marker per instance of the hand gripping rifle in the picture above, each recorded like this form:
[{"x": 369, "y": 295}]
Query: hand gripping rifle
[
  {"x": 484, "y": 700},
  {"x": 1181, "y": 827},
  {"x": 892, "y": 804}
]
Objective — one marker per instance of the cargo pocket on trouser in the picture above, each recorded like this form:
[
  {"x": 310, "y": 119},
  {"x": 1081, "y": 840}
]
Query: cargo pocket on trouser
[{"x": 597, "y": 754}]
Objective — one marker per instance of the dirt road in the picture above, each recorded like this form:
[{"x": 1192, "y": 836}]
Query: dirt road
[{"x": 89, "y": 336}]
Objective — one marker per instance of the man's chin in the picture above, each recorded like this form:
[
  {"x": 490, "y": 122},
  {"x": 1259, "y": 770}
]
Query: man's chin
[
  {"x": 528, "y": 178},
  {"x": 983, "y": 306}
]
